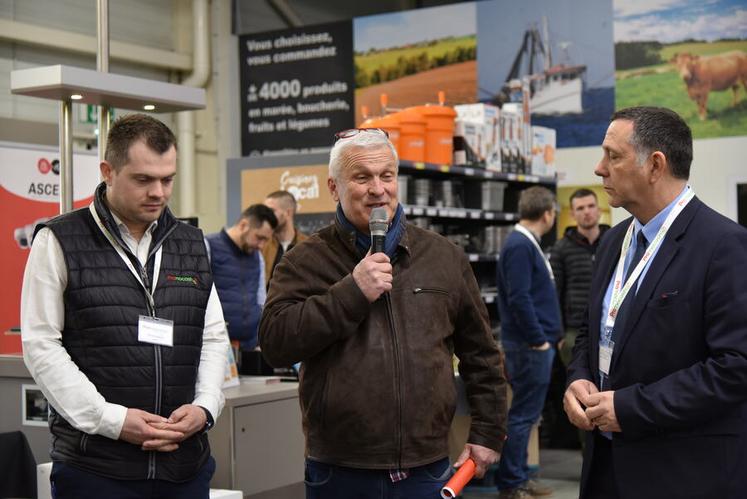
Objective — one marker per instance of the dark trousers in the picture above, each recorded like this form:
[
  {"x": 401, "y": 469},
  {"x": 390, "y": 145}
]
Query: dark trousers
[
  {"x": 602, "y": 474},
  {"x": 529, "y": 375},
  {"x": 69, "y": 482},
  {"x": 326, "y": 481}
]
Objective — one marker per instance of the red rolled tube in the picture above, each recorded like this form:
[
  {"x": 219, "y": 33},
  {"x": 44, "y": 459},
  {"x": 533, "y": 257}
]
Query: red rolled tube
[{"x": 463, "y": 475}]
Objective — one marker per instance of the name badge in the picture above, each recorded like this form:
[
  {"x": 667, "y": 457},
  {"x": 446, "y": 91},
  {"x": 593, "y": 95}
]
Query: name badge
[
  {"x": 606, "y": 345},
  {"x": 156, "y": 331},
  {"x": 605, "y": 356}
]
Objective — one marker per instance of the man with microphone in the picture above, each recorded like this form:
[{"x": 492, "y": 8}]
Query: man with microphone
[{"x": 376, "y": 329}]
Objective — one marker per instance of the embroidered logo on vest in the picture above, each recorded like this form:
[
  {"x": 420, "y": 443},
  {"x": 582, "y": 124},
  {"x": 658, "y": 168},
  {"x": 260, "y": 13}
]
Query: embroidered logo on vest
[{"x": 182, "y": 278}]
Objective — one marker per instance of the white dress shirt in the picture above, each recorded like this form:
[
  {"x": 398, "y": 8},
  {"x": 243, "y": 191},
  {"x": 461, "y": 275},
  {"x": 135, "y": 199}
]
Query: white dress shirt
[{"x": 69, "y": 391}]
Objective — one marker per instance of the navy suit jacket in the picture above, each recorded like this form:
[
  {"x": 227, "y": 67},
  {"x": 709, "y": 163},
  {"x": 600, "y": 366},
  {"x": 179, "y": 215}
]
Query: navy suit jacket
[{"x": 679, "y": 368}]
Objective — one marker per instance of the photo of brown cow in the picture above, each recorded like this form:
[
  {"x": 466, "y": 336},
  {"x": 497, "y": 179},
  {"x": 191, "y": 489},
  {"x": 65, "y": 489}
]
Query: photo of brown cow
[
  {"x": 711, "y": 73},
  {"x": 689, "y": 56}
]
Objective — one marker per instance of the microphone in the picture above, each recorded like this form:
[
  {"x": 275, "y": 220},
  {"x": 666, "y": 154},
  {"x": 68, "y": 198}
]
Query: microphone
[{"x": 378, "y": 224}]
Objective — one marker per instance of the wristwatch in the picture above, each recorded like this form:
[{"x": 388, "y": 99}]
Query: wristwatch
[{"x": 209, "y": 421}]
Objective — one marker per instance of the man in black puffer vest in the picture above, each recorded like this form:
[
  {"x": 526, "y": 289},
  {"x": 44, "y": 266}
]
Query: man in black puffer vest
[{"x": 123, "y": 331}]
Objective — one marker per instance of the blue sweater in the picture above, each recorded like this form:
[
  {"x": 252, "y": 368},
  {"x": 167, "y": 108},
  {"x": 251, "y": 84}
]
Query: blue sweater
[{"x": 527, "y": 300}]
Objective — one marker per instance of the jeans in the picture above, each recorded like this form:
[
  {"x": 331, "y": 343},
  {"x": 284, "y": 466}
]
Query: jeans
[
  {"x": 529, "y": 375},
  {"x": 69, "y": 482},
  {"x": 326, "y": 481}
]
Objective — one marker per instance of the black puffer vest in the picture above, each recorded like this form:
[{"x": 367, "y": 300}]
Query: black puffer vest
[{"x": 103, "y": 301}]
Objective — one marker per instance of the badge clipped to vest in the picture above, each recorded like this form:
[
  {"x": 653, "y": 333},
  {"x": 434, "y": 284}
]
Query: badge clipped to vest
[{"x": 156, "y": 331}]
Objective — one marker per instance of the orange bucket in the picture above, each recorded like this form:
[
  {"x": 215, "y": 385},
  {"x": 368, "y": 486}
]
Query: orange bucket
[
  {"x": 390, "y": 123},
  {"x": 412, "y": 135},
  {"x": 439, "y": 133}
]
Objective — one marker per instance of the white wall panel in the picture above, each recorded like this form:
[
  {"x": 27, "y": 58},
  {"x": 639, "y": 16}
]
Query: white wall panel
[{"x": 142, "y": 22}]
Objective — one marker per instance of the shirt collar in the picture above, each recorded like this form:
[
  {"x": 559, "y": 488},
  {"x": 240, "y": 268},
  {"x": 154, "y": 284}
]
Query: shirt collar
[
  {"x": 652, "y": 227},
  {"x": 123, "y": 229}
]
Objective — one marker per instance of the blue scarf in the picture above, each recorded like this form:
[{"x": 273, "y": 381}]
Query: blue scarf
[{"x": 363, "y": 241}]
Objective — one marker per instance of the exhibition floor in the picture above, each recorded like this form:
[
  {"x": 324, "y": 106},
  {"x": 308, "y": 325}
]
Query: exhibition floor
[{"x": 560, "y": 469}]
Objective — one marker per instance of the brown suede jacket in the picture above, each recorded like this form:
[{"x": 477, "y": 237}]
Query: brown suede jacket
[
  {"x": 377, "y": 384},
  {"x": 270, "y": 252}
]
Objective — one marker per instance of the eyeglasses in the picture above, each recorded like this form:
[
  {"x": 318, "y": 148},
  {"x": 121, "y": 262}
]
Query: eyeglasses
[{"x": 352, "y": 132}]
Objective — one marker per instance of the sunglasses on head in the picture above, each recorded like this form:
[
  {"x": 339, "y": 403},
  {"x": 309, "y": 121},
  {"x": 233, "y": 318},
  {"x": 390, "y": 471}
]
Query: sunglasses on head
[{"x": 352, "y": 132}]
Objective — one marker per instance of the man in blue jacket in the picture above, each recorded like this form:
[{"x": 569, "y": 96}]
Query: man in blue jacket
[
  {"x": 238, "y": 271},
  {"x": 530, "y": 326}
]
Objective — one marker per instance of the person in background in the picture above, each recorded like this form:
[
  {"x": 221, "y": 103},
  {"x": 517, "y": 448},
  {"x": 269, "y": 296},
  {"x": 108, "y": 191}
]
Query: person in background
[
  {"x": 572, "y": 260},
  {"x": 530, "y": 328},
  {"x": 238, "y": 270},
  {"x": 659, "y": 371},
  {"x": 123, "y": 331},
  {"x": 377, "y": 334},
  {"x": 286, "y": 235}
]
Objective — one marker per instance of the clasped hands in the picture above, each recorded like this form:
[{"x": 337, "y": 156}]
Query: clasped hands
[
  {"x": 588, "y": 408},
  {"x": 154, "y": 432}
]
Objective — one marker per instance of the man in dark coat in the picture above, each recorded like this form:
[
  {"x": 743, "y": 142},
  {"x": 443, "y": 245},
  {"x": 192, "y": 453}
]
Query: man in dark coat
[{"x": 659, "y": 370}]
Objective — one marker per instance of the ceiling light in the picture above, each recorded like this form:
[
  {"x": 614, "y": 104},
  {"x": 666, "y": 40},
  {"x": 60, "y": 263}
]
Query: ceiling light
[
  {"x": 76, "y": 97},
  {"x": 149, "y": 107},
  {"x": 98, "y": 89}
]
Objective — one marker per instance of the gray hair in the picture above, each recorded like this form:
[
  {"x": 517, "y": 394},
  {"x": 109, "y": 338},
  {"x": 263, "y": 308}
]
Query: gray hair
[{"x": 364, "y": 139}]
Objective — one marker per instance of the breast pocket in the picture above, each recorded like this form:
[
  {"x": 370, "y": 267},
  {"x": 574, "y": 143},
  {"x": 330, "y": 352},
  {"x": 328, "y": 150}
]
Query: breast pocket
[
  {"x": 666, "y": 299},
  {"x": 429, "y": 310},
  {"x": 429, "y": 290}
]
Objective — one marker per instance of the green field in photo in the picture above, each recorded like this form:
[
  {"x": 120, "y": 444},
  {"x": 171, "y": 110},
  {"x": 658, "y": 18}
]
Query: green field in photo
[
  {"x": 390, "y": 64},
  {"x": 373, "y": 60},
  {"x": 701, "y": 48}
]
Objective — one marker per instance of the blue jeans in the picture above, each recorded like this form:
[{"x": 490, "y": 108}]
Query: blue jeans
[
  {"x": 69, "y": 482},
  {"x": 529, "y": 375},
  {"x": 326, "y": 481}
]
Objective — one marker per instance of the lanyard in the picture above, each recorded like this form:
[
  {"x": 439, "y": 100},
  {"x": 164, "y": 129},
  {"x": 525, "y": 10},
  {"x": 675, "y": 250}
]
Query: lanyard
[
  {"x": 142, "y": 276},
  {"x": 619, "y": 292},
  {"x": 531, "y": 237}
]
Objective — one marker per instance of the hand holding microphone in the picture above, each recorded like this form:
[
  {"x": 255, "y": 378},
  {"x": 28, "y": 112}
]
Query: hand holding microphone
[{"x": 373, "y": 274}]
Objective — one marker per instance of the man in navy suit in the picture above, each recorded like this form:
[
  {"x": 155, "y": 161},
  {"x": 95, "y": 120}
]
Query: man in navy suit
[
  {"x": 530, "y": 327},
  {"x": 659, "y": 371}
]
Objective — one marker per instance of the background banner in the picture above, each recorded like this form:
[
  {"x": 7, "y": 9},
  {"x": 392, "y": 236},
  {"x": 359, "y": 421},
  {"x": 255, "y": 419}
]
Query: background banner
[
  {"x": 29, "y": 194},
  {"x": 296, "y": 88}
]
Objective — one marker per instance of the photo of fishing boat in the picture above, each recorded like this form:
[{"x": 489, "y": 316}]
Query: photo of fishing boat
[
  {"x": 554, "y": 88},
  {"x": 564, "y": 49}
]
